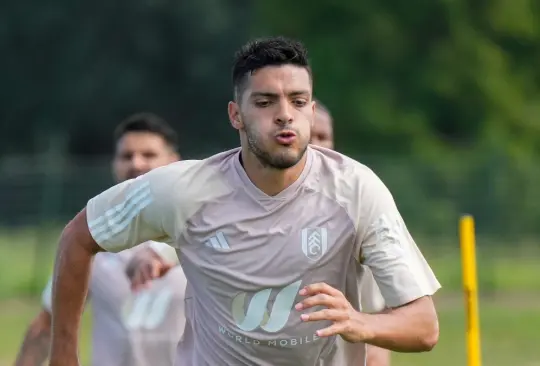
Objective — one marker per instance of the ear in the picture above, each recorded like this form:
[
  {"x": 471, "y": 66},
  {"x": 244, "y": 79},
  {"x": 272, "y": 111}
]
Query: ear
[{"x": 234, "y": 116}]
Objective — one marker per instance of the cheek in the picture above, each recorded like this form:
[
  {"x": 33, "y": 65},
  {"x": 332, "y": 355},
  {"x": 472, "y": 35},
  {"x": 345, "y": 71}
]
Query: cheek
[
  {"x": 157, "y": 161},
  {"x": 121, "y": 167}
]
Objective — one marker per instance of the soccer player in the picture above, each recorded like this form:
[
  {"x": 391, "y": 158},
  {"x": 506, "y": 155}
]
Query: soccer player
[
  {"x": 322, "y": 134},
  {"x": 128, "y": 330},
  {"x": 269, "y": 236}
]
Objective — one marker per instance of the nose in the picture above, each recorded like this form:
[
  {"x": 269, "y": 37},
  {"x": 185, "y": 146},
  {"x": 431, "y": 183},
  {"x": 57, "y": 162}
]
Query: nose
[
  {"x": 138, "y": 162},
  {"x": 284, "y": 115}
]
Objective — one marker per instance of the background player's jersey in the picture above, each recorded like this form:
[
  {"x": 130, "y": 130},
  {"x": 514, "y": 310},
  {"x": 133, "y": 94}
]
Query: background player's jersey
[
  {"x": 246, "y": 254},
  {"x": 132, "y": 329},
  {"x": 371, "y": 301}
]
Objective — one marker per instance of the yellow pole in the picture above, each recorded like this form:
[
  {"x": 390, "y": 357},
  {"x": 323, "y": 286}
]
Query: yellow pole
[{"x": 470, "y": 287}]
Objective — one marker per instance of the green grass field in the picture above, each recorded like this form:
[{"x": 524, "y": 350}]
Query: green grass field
[{"x": 508, "y": 314}]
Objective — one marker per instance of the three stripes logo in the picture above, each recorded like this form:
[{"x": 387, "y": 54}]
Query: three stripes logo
[
  {"x": 117, "y": 219},
  {"x": 314, "y": 242},
  {"x": 218, "y": 242}
]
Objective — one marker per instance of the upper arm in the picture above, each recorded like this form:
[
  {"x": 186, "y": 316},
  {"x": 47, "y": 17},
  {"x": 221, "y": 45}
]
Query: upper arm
[
  {"x": 385, "y": 245},
  {"x": 132, "y": 212}
]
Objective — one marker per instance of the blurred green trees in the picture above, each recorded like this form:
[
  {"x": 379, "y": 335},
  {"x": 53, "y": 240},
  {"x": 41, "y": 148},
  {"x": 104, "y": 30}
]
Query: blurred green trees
[{"x": 441, "y": 98}]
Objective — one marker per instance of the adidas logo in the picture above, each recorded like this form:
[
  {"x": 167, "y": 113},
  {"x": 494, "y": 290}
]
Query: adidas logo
[{"x": 218, "y": 242}]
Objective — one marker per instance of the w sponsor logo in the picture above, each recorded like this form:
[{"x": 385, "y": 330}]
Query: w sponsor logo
[
  {"x": 314, "y": 242},
  {"x": 257, "y": 314}
]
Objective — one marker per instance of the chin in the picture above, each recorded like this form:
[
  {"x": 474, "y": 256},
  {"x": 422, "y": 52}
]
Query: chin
[{"x": 286, "y": 160}]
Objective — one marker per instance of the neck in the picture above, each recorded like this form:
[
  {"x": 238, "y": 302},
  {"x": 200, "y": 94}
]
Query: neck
[{"x": 270, "y": 180}]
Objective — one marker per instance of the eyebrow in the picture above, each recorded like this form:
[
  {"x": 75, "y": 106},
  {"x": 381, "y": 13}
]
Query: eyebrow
[{"x": 276, "y": 95}]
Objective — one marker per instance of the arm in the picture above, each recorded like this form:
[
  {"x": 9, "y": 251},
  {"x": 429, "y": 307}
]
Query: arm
[
  {"x": 393, "y": 328},
  {"x": 37, "y": 340},
  {"x": 71, "y": 277},
  {"x": 401, "y": 272},
  {"x": 122, "y": 217},
  {"x": 153, "y": 261}
]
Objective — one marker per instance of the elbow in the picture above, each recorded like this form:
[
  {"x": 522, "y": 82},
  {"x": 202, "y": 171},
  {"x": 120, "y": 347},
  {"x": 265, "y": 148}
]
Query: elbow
[{"x": 430, "y": 338}]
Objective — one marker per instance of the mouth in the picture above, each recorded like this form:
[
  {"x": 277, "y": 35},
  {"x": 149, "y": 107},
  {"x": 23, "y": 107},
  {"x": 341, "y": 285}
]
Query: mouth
[{"x": 286, "y": 137}]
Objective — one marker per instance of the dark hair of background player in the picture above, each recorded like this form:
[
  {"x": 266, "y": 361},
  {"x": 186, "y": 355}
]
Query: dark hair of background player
[{"x": 147, "y": 122}]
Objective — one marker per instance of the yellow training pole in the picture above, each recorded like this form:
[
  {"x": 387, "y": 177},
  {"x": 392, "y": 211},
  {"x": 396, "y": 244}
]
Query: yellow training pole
[{"x": 470, "y": 287}]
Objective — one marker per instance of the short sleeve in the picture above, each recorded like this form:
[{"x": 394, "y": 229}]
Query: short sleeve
[
  {"x": 46, "y": 296},
  {"x": 385, "y": 246},
  {"x": 133, "y": 212}
]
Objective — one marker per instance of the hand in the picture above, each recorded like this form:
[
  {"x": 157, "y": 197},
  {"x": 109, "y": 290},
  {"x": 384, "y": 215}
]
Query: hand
[
  {"x": 146, "y": 266},
  {"x": 347, "y": 322}
]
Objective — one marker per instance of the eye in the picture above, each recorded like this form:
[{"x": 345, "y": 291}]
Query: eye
[
  {"x": 150, "y": 155},
  {"x": 126, "y": 156},
  {"x": 262, "y": 103},
  {"x": 300, "y": 102}
]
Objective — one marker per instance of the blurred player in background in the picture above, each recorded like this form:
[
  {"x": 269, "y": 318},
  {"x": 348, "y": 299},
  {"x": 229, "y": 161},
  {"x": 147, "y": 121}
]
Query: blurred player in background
[
  {"x": 128, "y": 329},
  {"x": 322, "y": 134}
]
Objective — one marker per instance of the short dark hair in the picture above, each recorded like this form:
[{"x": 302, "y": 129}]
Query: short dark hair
[
  {"x": 147, "y": 122},
  {"x": 263, "y": 52}
]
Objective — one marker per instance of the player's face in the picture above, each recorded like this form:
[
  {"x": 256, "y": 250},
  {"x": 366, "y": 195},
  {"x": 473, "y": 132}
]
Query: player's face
[
  {"x": 138, "y": 153},
  {"x": 275, "y": 115},
  {"x": 322, "y": 133}
]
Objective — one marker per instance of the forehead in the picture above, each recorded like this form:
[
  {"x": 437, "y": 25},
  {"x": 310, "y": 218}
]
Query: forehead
[
  {"x": 279, "y": 79},
  {"x": 133, "y": 141}
]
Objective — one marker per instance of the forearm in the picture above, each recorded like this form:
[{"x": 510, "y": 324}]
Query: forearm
[
  {"x": 37, "y": 341},
  {"x": 71, "y": 278},
  {"x": 411, "y": 328}
]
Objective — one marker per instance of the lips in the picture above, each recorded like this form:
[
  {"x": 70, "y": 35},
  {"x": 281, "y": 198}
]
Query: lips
[{"x": 286, "y": 137}]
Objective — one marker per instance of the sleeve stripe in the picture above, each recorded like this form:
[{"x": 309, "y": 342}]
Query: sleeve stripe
[
  {"x": 119, "y": 217},
  {"x": 130, "y": 197}
]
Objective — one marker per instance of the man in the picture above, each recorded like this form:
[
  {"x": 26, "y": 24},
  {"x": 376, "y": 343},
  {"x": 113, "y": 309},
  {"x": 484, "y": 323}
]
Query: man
[
  {"x": 322, "y": 134},
  {"x": 127, "y": 330},
  {"x": 269, "y": 236}
]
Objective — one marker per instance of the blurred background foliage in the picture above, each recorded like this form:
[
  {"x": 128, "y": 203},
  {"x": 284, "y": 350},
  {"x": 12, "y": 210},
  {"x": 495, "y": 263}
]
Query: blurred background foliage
[{"x": 440, "y": 98}]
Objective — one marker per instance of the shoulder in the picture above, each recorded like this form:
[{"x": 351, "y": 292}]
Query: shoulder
[
  {"x": 345, "y": 177},
  {"x": 191, "y": 178}
]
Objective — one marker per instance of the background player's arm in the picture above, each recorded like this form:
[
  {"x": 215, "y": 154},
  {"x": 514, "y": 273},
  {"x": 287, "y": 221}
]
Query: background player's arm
[
  {"x": 36, "y": 344},
  {"x": 124, "y": 216},
  {"x": 34, "y": 350},
  {"x": 402, "y": 274},
  {"x": 151, "y": 262}
]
